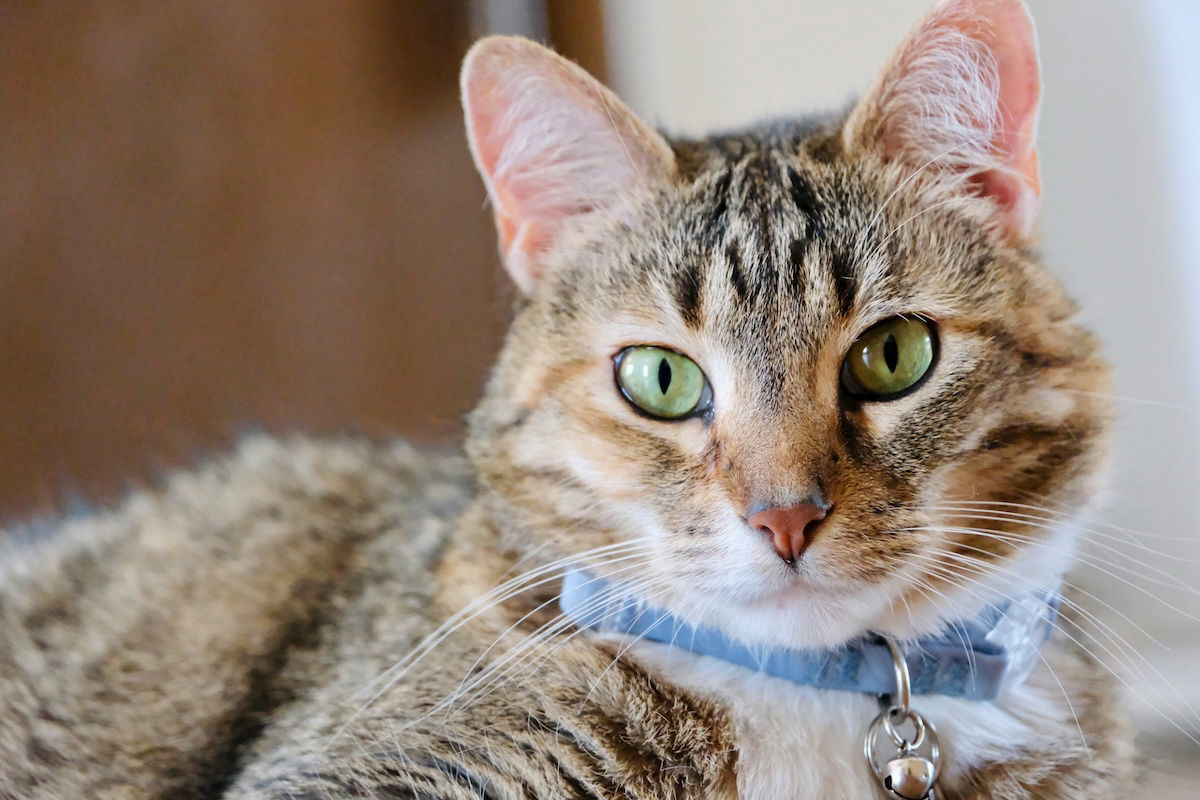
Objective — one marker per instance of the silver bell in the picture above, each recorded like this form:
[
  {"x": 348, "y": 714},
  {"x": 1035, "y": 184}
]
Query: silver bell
[{"x": 909, "y": 777}]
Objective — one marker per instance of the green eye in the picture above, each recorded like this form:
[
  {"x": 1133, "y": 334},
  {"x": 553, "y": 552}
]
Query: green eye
[
  {"x": 661, "y": 382},
  {"x": 889, "y": 358}
]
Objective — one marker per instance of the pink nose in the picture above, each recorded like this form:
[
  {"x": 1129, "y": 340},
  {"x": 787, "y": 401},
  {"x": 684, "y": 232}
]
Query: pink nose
[{"x": 788, "y": 527}]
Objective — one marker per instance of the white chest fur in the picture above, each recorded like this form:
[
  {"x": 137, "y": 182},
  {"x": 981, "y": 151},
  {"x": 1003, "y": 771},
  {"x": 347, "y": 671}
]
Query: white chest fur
[{"x": 800, "y": 742}]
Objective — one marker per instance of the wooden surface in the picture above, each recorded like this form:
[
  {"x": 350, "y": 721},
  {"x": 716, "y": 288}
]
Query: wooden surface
[{"x": 217, "y": 217}]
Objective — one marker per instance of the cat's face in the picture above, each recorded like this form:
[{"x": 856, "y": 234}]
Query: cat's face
[{"x": 835, "y": 327}]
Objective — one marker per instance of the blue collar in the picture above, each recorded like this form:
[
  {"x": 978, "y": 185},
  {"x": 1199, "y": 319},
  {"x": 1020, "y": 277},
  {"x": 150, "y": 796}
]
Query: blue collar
[{"x": 976, "y": 659}]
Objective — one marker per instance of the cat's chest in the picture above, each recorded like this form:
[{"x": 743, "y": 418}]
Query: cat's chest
[{"x": 800, "y": 742}]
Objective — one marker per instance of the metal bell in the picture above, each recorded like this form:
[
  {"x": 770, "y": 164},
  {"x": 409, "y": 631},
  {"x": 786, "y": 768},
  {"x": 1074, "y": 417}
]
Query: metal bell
[{"x": 910, "y": 777}]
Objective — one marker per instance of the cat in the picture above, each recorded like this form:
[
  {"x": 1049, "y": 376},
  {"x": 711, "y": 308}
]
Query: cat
[{"x": 801, "y": 386}]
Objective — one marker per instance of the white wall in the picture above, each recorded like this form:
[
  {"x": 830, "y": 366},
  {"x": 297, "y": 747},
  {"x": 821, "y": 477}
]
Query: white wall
[
  {"x": 1121, "y": 176},
  {"x": 695, "y": 65}
]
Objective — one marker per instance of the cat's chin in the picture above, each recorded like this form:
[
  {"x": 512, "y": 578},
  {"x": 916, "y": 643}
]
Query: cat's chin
[{"x": 795, "y": 612}]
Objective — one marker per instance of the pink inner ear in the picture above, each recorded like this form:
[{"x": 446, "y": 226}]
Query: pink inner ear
[
  {"x": 486, "y": 104},
  {"x": 1007, "y": 31},
  {"x": 962, "y": 96},
  {"x": 1017, "y": 191},
  {"x": 526, "y": 186},
  {"x": 525, "y": 168},
  {"x": 551, "y": 143}
]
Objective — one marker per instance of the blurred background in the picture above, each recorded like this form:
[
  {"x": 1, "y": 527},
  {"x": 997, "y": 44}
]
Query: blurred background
[{"x": 216, "y": 217}]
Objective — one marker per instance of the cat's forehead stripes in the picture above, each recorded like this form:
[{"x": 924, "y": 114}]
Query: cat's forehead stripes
[
  {"x": 766, "y": 242},
  {"x": 805, "y": 198},
  {"x": 737, "y": 278},
  {"x": 688, "y": 285}
]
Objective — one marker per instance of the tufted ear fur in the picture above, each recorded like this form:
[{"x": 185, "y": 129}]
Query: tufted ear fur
[
  {"x": 551, "y": 143},
  {"x": 961, "y": 97}
]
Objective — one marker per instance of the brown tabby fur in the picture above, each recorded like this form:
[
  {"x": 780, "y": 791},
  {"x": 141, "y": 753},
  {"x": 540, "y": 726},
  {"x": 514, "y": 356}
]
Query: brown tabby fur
[{"x": 219, "y": 637}]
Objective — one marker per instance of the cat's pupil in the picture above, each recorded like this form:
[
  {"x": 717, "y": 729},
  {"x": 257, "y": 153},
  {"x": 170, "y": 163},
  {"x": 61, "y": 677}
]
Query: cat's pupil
[
  {"x": 664, "y": 375},
  {"x": 891, "y": 353}
]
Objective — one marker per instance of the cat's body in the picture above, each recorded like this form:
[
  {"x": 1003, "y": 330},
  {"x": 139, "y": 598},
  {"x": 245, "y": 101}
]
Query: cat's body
[
  {"x": 237, "y": 621},
  {"x": 268, "y": 626}
]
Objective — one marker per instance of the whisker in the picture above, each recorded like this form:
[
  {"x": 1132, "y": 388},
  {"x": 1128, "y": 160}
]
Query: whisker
[
  {"x": 1076, "y": 588},
  {"x": 1070, "y": 704},
  {"x": 989, "y": 515},
  {"x": 490, "y": 600},
  {"x": 625, "y": 649},
  {"x": 1116, "y": 639},
  {"x": 1091, "y": 559},
  {"x": 979, "y": 568},
  {"x": 542, "y": 633},
  {"x": 548, "y": 630},
  {"x": 911, "y": 177},
  {"x": 891, "y": 234},
  {"x": 1060, "y": 516},
  {"x": 509, "y": 666},
  {"x": 1053, "y": 674},
  {"x": 1136, "y": 400},
  {"x": 956, "y": 625},
  {"x": 545, "y": 574},
  {"x": 515, "y": 625},
  {"x": 647, "y": 592}
]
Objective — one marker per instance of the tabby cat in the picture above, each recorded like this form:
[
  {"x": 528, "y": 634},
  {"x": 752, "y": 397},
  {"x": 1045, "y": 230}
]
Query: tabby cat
[{"x": 801, "y": 386}]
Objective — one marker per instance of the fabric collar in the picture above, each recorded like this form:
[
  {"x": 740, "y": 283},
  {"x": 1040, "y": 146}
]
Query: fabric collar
[{"x": 975, "y": 659}]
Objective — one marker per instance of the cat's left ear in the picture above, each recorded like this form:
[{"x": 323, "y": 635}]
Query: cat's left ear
[
  {"x": 552, "y": 144},
  {"x": 960, "y": 97}
]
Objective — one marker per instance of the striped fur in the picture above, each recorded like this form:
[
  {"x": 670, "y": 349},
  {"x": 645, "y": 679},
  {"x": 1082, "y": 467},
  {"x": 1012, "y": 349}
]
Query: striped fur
[{"x": 236, "y": 632}]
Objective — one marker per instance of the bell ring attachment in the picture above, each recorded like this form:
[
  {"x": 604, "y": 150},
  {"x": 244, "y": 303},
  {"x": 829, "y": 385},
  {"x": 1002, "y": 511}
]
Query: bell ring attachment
[{"x": 912, "y": 772}]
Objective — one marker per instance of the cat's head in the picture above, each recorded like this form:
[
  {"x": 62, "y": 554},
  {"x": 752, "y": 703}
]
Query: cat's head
[{"x": 799, "y": 361}]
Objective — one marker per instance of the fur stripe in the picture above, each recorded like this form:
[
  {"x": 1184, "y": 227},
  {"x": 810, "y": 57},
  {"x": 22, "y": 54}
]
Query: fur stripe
[
  {"x": 806, "y": 201},
  {"x": 688, "y": 289},
  {"x": 845, "y": 281},
  {"x": 736, "y": 278},
  {"x": 797, "y": 255},
  {"x": 721, "y": 204}
]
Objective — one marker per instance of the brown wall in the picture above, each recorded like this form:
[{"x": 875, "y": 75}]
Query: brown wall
[{"x": 216, "y": 216}]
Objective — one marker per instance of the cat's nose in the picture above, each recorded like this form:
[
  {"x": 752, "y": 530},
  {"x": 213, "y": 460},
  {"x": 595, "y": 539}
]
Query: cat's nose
[{"x": 790, "y": 528}]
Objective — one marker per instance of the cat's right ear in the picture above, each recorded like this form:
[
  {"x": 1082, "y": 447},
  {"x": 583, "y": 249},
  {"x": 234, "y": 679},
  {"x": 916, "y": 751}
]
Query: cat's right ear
[
  {"x": 960, "y": 98},
  {"x": 551, "y": 143}
]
